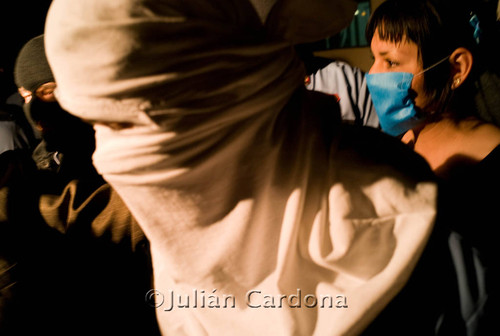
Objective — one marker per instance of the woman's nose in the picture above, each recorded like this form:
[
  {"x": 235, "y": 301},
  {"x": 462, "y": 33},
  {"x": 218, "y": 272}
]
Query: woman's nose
[{"x": 375, "y": 68}]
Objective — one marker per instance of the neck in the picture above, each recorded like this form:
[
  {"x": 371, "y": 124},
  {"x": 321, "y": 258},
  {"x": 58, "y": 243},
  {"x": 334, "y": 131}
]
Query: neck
[{"x": 446, "y": 144}]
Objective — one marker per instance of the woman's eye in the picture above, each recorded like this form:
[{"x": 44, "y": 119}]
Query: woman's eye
[{"x": 391, "y": 63}]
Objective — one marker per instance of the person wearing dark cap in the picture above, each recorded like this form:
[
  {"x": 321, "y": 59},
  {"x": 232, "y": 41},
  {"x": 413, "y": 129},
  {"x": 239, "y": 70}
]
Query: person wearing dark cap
[
  {"x": 69, "y": 246},
  {"x": 32, "y": 73},
  {"x": 67, "y": 142}
]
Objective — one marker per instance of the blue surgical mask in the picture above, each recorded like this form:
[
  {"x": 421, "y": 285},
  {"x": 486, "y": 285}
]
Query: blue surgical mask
[{"x": 390, "y": 93}]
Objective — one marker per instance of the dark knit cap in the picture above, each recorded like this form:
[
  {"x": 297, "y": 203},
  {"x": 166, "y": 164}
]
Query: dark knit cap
[{"x": 31, "y": 68}]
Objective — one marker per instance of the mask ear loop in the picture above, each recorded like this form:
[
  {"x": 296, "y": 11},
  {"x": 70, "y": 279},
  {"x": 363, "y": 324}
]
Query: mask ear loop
[
  {"x": 430, "y": 68},
  {"x": 433, "y": 66}
]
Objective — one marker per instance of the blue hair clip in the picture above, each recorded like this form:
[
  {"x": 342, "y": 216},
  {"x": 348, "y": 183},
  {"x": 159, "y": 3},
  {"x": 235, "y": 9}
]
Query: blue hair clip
[{"x": 474, "y": 22}]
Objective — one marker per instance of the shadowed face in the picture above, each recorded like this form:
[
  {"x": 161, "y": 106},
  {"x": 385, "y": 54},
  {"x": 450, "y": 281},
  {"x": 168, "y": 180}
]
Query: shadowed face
[
  {"x": 61, "y": 131},
  {"x": 45, "y": 92}
]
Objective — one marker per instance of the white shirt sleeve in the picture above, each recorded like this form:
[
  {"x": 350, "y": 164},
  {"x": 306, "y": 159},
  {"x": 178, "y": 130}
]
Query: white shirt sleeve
[{"x": 349, "y": 85}]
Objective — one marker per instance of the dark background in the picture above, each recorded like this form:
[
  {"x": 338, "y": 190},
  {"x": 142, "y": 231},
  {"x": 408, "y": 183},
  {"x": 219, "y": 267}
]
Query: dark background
[{"x": 20, "y": 20}]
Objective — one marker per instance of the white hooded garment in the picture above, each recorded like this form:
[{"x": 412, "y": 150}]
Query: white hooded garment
[{"x": 245, "y": 185}]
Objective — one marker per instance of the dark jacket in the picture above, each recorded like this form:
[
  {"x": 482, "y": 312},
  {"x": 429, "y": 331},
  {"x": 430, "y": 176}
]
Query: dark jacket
[{"x": 71, "y": 262}]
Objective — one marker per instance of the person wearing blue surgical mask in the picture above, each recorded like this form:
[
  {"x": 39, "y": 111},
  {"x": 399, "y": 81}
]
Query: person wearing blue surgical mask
[
  {"x": 422, "y": 80},
  {"x": 427, "y": 86}
]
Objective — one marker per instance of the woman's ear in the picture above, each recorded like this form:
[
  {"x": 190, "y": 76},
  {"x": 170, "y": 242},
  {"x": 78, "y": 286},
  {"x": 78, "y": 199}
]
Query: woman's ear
[{"x": 461, "y": 64}]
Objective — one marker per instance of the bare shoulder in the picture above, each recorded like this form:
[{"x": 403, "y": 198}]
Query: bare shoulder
[{"x": 483, "y": 139}]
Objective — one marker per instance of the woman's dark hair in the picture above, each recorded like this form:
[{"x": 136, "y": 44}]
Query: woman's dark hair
[{"x": 437, "y": 27}]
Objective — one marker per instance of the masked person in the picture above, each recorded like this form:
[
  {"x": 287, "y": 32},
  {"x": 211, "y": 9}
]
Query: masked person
[
  {"x": 69, "y": 247},
  {"x": 257, "y": 202},
  {"x": 429, "y": 56},
  {"x": 67, "y": 143}
]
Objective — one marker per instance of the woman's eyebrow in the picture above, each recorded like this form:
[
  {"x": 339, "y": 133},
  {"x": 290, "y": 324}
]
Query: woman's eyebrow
[{"x": 382, "y": 53}]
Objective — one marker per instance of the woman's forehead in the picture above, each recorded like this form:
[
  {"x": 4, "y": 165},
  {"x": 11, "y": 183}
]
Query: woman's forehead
[
  {"x": 383, "y": 44},
  {"x": 392, "y": 32}
]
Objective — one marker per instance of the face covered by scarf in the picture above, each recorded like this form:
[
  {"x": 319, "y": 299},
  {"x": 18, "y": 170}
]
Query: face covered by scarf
[
  {"x": 232, "y": 194},
  {"x": 184, "y": 73}
]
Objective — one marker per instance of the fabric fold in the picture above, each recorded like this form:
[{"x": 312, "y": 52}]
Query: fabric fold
[{"x": 242, "y": 180}]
